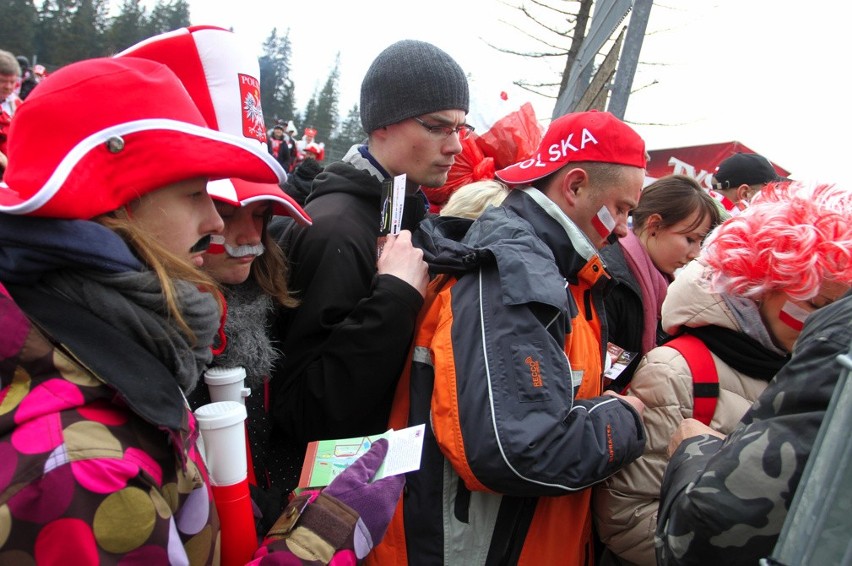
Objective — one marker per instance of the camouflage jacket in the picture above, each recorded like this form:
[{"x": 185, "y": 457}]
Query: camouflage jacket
[{"x": 726, "y": 501}]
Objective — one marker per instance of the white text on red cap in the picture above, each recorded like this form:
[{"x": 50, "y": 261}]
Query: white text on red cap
[{"x": 560, "y": 151}]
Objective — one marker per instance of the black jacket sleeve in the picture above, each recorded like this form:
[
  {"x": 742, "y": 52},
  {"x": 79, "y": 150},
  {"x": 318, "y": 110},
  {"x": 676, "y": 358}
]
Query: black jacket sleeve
[{"x": 345, "y": 345}]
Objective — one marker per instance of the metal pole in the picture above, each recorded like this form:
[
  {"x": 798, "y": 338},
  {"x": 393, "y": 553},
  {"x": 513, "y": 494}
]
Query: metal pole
[{"x": 629, "y": 57}]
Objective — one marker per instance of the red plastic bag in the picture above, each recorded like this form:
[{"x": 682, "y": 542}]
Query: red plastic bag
[
  {"x": 470, "y": 165},
  {"x": 510, "y": 139}
]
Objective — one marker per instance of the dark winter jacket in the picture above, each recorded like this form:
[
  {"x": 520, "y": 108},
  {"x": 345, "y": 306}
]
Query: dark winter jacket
[
  {"x": 299, "y": 182},
  {"x": 725, "y": 501},
  {"x": 345, "y": 344}
]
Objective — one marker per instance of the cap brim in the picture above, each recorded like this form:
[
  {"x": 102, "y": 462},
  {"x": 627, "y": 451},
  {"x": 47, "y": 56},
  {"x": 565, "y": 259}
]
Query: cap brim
[
  {"x": 239, "y": 192},
  {"x": 527, "y": 171}
]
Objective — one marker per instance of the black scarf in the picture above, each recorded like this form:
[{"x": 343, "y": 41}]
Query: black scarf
[{"x": 740, "y": 351}]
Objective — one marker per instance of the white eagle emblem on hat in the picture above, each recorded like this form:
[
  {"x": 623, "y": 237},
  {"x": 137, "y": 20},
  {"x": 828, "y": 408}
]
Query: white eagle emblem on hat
[{"x": 253, "y": 125}]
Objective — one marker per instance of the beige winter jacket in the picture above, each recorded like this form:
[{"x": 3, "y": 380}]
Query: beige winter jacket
[{"x": 625, "y": 505}]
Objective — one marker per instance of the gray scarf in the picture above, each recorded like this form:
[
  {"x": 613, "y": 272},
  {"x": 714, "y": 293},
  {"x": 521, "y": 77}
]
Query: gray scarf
[
  {"x": 247, "y": 329},
  {"x": 747, "y": 315},
  {"x": 134, "y": 304}
]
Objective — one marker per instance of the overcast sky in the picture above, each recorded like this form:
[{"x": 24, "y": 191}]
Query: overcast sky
[{"x": 769, "y": 74}]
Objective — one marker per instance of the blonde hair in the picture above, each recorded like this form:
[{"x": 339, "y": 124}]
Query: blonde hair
[{"x": 471, "y": 200}]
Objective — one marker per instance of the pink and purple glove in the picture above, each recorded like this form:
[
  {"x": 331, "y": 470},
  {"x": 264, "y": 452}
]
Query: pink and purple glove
[
  {"x": 339, "y": 525},
  {"x": 374, "y": 502}
]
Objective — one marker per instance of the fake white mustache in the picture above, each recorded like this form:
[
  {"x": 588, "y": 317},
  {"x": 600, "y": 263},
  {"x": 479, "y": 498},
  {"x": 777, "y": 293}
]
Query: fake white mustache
[{"x": 218, "y": 245}]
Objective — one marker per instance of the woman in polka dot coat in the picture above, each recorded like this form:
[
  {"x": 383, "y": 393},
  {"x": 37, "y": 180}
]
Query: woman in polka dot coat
[
  {"x": 106, "y": 319},
  {"x": 107, "y": 322}
]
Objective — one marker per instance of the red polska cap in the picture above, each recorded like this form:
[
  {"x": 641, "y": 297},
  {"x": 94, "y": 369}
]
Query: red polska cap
[{"x": 582, "y": 136}]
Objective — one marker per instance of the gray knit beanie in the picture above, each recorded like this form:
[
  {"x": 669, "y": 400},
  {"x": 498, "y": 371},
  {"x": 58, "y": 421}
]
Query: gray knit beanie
[{"x": 411, "y": 78}]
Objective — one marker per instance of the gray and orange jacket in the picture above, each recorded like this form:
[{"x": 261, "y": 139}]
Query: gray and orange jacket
[{"x": 506, "y": 370}]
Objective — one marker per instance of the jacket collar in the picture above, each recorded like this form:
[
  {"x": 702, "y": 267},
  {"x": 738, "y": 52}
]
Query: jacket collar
[{"x": 576, "y": 257}]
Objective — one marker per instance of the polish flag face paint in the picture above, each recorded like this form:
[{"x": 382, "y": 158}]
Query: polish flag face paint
[
  {"x": 793, "y": 316},
  {"x": 603, "y": 222},
  {"x": 217, "y": 244}
]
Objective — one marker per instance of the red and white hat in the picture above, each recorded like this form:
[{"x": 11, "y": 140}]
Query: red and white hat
[
  {"x": 128, "y": 128},
  {"x": 221, "y": 74},
  {"x": 581, "y": 136},
  {"x": 238, "y": 192}
]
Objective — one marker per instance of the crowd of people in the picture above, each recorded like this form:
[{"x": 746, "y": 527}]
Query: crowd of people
[{"x": 490, "y": 322}]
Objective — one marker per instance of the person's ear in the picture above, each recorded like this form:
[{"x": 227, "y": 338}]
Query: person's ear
[
  {"x": 380, "y": 133},
  {"x": 743, "y": 192},
  {"x": 653, "y": 223},
  {"x": 573, "y": 183}
]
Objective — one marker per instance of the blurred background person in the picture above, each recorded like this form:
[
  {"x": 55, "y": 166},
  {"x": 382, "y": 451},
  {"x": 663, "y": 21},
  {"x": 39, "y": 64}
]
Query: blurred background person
[
  {"x": 10, "y": 75},
  {"x": 739, "y": 178}
]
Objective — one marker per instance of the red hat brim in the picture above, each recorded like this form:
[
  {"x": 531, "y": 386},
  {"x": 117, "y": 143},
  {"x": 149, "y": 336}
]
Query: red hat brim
[
  {"x": 238, "y": 192},
  {"x": 150, "y": 134}
]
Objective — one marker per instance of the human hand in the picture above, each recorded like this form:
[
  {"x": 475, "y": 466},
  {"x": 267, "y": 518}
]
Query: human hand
[
  {"x": 374, "y": 502},
  {"x": 401, "y": 259},
  {"x": 689, "y": 428},
  {"x": 634, "y": 402}
]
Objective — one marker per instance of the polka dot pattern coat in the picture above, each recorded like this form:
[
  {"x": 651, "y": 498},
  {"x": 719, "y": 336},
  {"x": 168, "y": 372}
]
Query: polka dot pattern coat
[{"x": 96, "y": 466}]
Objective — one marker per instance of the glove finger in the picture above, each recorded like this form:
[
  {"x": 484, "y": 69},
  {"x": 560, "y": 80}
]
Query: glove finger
[{"x": 364, "y": 468}]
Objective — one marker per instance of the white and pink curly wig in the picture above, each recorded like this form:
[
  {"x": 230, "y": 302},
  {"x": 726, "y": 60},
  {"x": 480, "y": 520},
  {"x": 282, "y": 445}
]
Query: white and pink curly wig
[{"x": 793, "y": 237}]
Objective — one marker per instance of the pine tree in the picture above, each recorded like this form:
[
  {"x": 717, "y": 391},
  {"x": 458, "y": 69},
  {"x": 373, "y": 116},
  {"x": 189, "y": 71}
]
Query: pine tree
[
  {"x": 129, "y": 27},
  {"x": 18, "y": 22},
  {"x": 276, "y": 88},
  {"x": 168, "y": 16},
  {"x": 348, "y": 134},
  {"x": 85, "y": 33},
  {"x": 54, "y": 21},
  {"x": 326, "y": 115},
  {"x": 309, "y": 116}
]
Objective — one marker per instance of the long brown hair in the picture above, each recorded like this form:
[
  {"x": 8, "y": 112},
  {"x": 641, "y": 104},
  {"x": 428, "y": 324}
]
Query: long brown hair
[
  {"x": 270, "y": 271},
  {"x": 168, "y": 266}
]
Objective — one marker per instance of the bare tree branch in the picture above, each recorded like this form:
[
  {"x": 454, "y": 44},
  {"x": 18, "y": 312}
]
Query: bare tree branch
[
  {"x": 548, "y": 94},
  {"x": 534, "y": 55}
]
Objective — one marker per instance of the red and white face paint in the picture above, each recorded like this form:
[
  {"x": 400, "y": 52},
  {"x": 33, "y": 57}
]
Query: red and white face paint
[
  {"x": 793, "y": 316},
  {"x": 217, "y": 244},
  {"x": 603, "y": 222}
]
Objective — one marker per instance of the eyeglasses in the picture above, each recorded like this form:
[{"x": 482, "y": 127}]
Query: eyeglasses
[{"x": 444, "y": 132}]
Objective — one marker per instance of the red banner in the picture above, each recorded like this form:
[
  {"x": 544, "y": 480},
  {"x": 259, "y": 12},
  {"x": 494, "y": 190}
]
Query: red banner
[{"x": 697, "y": 161}]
